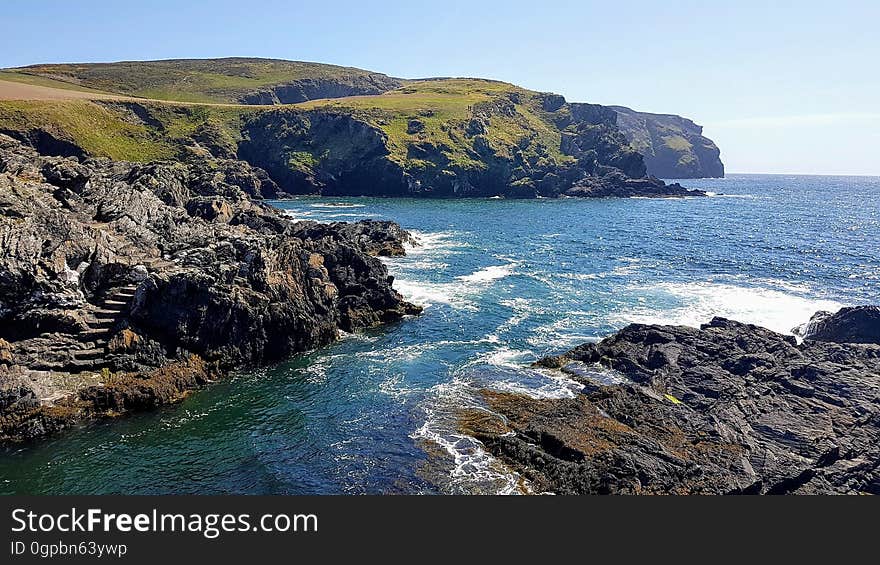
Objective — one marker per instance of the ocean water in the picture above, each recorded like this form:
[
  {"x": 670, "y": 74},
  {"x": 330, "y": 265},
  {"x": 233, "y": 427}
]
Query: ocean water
[{"x": 504, "y": 283}]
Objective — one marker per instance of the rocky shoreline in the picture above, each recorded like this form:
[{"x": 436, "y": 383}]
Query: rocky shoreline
[
  {"x": 728, "y": 408},
  {"x": 123, "y": 286}
]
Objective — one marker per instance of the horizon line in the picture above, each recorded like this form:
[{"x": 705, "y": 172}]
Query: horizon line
[{"x": 798, "y": 174}]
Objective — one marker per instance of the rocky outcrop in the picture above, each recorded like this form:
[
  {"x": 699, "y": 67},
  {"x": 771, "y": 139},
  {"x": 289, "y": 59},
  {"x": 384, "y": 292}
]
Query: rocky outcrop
[
  {"x": 374, "y": 237},
  {"x": 856, "y": 324},
  {"x": 726, "y": 408},
  {"x": 306, "y": 89},
  {"x": 673, "y": 147},
  {"x": 112, "y": 271},
  {"x": 336, "y": 152},
  {"x": 617, "y": 185}
]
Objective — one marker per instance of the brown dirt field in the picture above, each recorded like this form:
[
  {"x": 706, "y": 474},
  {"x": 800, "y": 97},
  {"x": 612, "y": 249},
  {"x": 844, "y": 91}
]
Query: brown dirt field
[{"x": 21, "y": 91}]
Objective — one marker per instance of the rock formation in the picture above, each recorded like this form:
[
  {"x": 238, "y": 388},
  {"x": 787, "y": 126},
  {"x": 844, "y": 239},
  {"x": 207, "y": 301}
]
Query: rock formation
[
  {"x": 857, "y": 324},
  {"x": 123, "y": 285},
  {"x": 673, "y": 147},
  {"x": 726, "y": 408}
]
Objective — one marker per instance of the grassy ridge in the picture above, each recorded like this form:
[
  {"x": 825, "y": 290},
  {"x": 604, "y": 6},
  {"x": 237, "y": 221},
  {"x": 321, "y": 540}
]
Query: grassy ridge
[
  {"x": 121, "y": 130},
  {"x": 440, "y": 111},
  {"x": 190, "y": 80}
]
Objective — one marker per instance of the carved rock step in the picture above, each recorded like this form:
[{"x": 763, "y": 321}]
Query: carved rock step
[
  {"x": 105, "y": 311},
  {"x": 88, "y": 353},
  {"x": 81, "y": 364}
]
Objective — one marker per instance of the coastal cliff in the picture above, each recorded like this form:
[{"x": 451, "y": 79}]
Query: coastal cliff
[
  {"x": 123, "y": 285},
  {"x": 728, "y": 408},
  {"x": 323, "y": 129},
  {"x": 673, "y": 147},
  {"x": 485, "y": 139}
]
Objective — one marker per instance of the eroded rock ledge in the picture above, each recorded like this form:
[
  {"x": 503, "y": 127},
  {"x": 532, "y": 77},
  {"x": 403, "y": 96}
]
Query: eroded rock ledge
[
  {"x": 122, "y": 285},
  {"x": 726, "y": 408}
]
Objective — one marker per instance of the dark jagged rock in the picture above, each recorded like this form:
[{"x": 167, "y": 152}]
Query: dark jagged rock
[
  {"x": 114, "y": 268},
  {"x": 727, "y": 408},
  {"x": 673, "y": 147},
  {"x": 374, "y": 237},
  {"x": 306, "y": 89},
  {"x": 857, "y": 324},
  {"x": 616, "y": 184}
]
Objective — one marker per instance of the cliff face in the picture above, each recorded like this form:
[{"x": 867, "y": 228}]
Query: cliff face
[
  {"x": 673, "y": 147},
  {"x": 485, "y": 139},
  {"x": 122, "y": 285},
  {"x": 306, "y": 89}
]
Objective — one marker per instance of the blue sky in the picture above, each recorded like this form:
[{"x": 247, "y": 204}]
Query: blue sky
[{"x": 780, "y": 86}]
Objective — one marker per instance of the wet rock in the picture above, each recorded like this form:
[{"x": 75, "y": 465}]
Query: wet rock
[
  {"x": 858, "y": 324},
  {"x": 374, "y": 237},
  {"x": 727, "y": 408}
]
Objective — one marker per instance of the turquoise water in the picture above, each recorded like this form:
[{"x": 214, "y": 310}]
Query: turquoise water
[{"x": 504, "y": 283}]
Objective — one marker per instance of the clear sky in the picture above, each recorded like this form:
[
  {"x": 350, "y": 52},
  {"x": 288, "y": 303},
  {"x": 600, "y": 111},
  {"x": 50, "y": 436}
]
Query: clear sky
[{"x": 780, "y": 86}]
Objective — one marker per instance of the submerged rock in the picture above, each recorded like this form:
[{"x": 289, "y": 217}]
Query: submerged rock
[
  {"x": 114, "y": 268},
  {"x": 726, "y": 408}
]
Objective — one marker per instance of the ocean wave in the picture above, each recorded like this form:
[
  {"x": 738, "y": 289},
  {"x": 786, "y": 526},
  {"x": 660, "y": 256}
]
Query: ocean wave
[
  {"x": 427, "y": 294},
  {"x": 564, "y": 330},
  {"x": 488, "y": 274},
  {"x": 742, "y": 196},
  {"x": 434, "y": 243},
  {"x": 692, "y": 304},
  {"x": 363, "y": 215},
  {"x": 337, "y": 205},
  {"x": 504, "y": 357}
]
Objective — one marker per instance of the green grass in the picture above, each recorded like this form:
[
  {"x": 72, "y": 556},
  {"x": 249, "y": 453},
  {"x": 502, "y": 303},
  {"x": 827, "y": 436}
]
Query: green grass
[
  {"x": 677, "y": 143},
  {"x": 445, "y": 107},
  {"x": 97, "y": 130},
  {"x": 189, "y": 80},
  {"x": 110, "y": 129}
]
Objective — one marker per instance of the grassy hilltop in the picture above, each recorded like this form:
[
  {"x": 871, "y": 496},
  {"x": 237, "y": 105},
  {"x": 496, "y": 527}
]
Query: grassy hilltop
[{"x": 230, "y": 80}]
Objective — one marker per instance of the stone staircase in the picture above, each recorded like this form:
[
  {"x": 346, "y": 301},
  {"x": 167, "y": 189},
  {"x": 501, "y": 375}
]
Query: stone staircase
[{"x": 103, "y": 319}]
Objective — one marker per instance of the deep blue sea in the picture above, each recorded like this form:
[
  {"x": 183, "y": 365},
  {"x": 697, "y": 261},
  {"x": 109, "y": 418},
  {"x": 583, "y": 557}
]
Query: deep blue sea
[{"x": 503, "y": 283}]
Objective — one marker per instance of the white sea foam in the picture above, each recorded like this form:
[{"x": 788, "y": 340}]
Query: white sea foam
[
  {"x": 337, "y": 215},
  {"x": 474, "y": 470},
  {"x": 423, "y": 258},
  {"x": 489, "y": 274},
  {"x": 433, "y": 243},
  {"x": 692, "y": 304},
  {"x": 426, "y": 294},
  {"x": 336, "y": 205},
  {"x": 408, "y": 272},
  {"x": 504, "y": 357},
  {"x": 538, "y": 383},
  {"x": 742, "y": 196}
]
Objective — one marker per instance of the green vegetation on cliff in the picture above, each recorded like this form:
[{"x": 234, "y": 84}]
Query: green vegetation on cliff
[
  {"x": 442, "y": 137},
  {"x": 117, "y": 129},
  {"x": 446, "y": 114}
]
